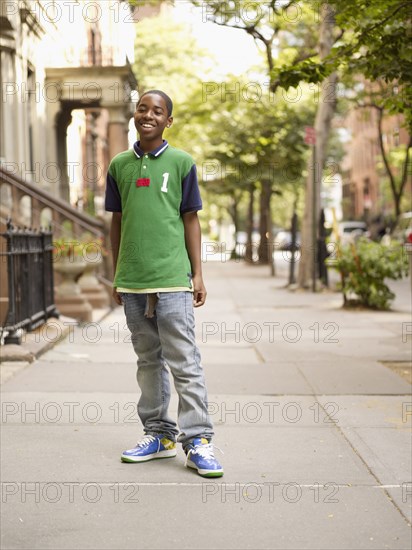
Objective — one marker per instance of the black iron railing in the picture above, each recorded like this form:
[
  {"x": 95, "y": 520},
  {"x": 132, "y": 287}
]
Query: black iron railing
[{"x": 30, "y": 280}]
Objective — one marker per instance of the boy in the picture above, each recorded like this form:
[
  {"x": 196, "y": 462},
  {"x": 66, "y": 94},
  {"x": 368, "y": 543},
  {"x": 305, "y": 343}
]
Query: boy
[{"x": 153, "y": 193}]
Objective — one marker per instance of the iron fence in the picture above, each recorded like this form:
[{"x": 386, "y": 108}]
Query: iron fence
[{"x": 29, "y": 256}]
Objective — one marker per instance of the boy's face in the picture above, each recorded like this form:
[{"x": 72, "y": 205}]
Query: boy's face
[{"x": 151, "y": 117}]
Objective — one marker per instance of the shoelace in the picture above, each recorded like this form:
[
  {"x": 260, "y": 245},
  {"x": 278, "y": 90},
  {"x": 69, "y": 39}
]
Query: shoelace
[
  {"x": 205, "y": 451},
  {"x": 147, "y": 439}
]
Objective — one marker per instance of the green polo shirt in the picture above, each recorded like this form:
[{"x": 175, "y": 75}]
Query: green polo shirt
[{"x": 152, "y": 190}]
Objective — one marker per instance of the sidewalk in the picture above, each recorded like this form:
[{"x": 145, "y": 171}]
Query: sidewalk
[{"x": 315, "y": 431}]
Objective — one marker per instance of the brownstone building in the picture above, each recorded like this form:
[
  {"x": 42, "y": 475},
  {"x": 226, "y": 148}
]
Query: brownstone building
[{"x": 365, "y": 190}]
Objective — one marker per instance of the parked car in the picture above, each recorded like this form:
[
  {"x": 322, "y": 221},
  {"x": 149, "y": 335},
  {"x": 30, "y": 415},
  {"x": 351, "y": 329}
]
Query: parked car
[
  {"x": 283, "y": 240},
  {"x": 350, "y": 231}
]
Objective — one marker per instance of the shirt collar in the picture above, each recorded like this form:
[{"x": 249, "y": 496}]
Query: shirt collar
[{"x": 155, "y": 153}]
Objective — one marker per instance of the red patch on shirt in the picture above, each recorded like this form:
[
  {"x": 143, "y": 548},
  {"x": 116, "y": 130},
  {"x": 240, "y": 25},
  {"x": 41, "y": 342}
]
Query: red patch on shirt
[{"x": 143, "y": 182}]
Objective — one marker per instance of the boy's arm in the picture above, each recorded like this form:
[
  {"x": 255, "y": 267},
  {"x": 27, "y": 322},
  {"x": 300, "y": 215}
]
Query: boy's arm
[
  {"x": 115, "y": 228},
  {"x": 193, "y": 246}
]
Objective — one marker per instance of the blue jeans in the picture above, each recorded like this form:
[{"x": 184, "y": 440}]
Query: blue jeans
[{"x": 168, "y": 338}]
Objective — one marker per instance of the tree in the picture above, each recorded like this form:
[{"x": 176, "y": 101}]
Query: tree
[
  {"x": 325, "y": 111},
  {"x": 271, "y": 22},
  {"x": 175, "y": 66},
  {"x": 255, "y": 143},
  {"x": 375, "y": 43},
  {"x": 355, "y": 36},
  {"x": 242, "y": 145}
]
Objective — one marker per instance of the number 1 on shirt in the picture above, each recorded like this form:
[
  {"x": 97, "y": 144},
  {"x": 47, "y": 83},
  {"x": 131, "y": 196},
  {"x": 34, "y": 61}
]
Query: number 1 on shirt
[{"x": 165, "y": 180}]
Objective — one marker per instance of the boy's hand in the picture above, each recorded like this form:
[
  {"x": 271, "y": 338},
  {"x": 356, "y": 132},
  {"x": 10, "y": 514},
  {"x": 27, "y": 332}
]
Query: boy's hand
[
  {"x": 199, "y": 291},
  {"x": 117, "y": 298}
]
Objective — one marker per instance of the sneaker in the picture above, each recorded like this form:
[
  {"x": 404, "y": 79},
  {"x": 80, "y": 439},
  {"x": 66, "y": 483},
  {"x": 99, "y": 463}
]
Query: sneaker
[
  {"x": 201, "y": 458},
  {"x": 150, "y": 447}
]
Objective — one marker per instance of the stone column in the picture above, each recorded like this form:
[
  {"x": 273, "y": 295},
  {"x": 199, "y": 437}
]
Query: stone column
[
  {"x": 63, "y": 120},
  {"x": 117, "y": 130},
  {"x": 51, "y": 154}
]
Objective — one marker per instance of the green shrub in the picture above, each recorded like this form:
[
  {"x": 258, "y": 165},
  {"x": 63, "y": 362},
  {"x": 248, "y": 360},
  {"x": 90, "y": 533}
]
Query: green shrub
[{"x": 364, "y": 266}]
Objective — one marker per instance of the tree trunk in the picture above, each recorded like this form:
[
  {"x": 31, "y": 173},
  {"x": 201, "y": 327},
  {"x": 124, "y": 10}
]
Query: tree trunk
[
  {"x": 397, "y": 192},
  {"x": 324, "y": 114},
  {"x": 235, "y": 219},
  {"x": 249, "y": 252},
  {"x": 234, "y": 214},
  {"x": 265, "y": 223}
]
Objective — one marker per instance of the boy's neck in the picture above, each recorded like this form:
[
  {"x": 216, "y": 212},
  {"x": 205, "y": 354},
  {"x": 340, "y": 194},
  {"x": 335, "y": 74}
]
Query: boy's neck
[{"x": 149, "y": 146}]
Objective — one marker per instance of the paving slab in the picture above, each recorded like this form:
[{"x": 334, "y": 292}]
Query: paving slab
[
  {"x": 8, "y": 369},
  {"x": 75, "y": 376},
  {"x": 387, "y": 452},
  {"x": 238, "y": 517},
  {"x": 242, "y": 378},
  {"x": 402, "y": 498},
  {"x": 301, "y": 454},
  {"x": 92, "y": 408},
  {"x": 375, "y": 411},
  {"x": 263, "y": 378},
  {"x": 217, "y": 354},
  {"x": 93, "y": 353},
  {"x": 352, "y": 376},
  {"x": 122, "y": 352},
  {"x": 295, "y": 348}
]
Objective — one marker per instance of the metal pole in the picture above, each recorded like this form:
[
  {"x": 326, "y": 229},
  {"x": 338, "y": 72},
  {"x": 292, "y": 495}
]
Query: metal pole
[
  {"x": 314, "y": 247},
  {"x": 293, "y": 229},
  {"x": 271, "y": 250}
]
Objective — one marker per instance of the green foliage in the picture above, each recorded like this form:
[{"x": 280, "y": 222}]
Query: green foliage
[
  {"x": 364, "y": 266},
  {"x": 375, "y": 41},
  {"x": 254, "y": 141},
  {"x": 237, "y": 139},
  {"x": 87, "y": 246},
  {"x": 165, "y": 59},
  {"x": 169, "y": 58},
  {"x": 259, "y": 137}
]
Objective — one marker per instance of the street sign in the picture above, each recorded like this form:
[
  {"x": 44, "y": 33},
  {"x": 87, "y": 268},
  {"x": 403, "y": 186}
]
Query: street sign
[{"x": 310, "y": 135}]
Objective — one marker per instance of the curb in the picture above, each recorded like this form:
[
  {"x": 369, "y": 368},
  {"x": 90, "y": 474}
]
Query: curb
[{"x": 36, "y": 343}]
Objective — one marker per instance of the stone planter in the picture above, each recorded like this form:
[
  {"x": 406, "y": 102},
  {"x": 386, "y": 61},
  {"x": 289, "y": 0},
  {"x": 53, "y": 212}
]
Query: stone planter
[
  {"x": 69, "y": 298},
  {"x": 90, "y": 286},
  {"x": 69, "y": 268}
]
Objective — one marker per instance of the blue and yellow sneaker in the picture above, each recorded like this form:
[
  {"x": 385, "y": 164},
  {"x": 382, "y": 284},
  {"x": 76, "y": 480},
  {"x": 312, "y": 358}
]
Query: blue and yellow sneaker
[
  {"x": 149, "y": 448},
  {"x": 201, "y": 458}
]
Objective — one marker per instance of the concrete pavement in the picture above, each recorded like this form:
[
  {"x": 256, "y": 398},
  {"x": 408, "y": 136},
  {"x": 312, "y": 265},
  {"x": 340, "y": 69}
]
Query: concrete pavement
[{"x": 315, "y": 431}]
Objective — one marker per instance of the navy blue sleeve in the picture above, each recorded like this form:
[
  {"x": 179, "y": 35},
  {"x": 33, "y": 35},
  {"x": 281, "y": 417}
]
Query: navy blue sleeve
[
  {"x": 113, "y": 201},
  {"x": 191, "y": 201}
]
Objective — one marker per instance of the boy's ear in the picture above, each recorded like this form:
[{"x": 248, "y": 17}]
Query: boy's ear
[{"x": 169, "y": 122}]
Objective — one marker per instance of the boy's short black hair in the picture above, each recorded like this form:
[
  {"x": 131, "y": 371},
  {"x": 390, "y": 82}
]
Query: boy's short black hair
[{"x": 168, "y": 101}]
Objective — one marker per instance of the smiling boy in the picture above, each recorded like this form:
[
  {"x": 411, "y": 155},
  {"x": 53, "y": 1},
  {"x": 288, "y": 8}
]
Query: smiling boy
[{"x": 153, "y": 193}]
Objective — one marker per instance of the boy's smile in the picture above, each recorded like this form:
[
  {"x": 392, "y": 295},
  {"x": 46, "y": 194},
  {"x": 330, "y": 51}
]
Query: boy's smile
[{"x": 151, "y": 118}]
